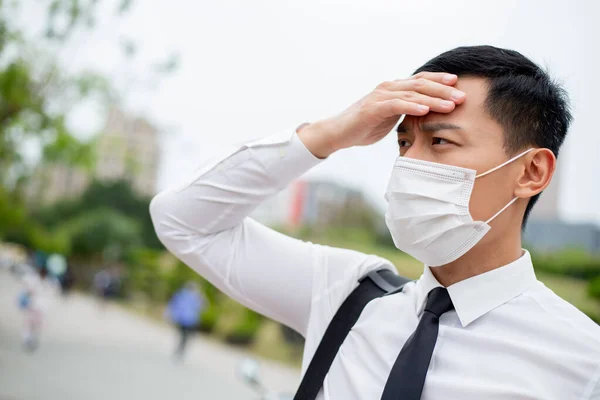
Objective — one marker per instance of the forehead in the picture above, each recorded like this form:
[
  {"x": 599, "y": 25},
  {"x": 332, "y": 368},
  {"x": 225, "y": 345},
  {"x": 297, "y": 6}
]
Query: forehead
[{"x": 471, "y": 115}]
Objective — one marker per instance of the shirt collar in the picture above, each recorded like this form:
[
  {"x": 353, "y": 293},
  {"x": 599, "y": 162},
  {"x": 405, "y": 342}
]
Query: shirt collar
[{"x": 478, "y": 295}]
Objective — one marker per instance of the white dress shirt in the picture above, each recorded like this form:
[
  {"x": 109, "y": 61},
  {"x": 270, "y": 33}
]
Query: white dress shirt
[{"x": 509, "y": 337}]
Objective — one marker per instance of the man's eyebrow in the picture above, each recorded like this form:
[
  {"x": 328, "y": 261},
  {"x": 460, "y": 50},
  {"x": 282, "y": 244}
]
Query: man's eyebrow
[
  {"x": 438, "y": 126},
  {"x": 430, "y": 127}
]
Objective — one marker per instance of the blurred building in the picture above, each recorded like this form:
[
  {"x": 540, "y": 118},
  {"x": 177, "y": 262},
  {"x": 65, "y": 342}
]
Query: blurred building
[
  {"x": 55, "y": 182},
  {"x": 553, "y": 235},
  {"x": 317, "y": 203},
  {"x": 126, "y": 149}
]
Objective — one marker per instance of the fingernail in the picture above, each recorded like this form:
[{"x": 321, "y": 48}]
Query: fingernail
[
  {"x": 449, "y": 78},
  {"x": 446, "y": 103},
  {"x": 457, "y": 94},
  {"x": 422, "y": 108}
]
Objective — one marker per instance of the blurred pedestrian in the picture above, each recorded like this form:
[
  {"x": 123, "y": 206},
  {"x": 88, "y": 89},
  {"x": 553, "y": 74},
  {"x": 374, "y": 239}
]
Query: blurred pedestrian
[
  {"x": 38, "y": 259},
  {"x": 184, "y": 311},
  {"x": 57, "y": 266},
  {"x": 39, "y": 289},
  {"x": 67, "y": 280},
  {"x": 114, "y": 282},
  {"x": 101, "y": 285}
]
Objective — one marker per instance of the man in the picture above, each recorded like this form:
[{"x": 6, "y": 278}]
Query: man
[
  {"x": 184, "y": 311},
  {"x": 102, "y": 282},
  {"x": 478, "y": 145}
]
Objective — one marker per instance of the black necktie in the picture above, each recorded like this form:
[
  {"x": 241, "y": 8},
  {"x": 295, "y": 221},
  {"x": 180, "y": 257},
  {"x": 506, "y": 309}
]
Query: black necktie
[{"x": 408, "y": 373}]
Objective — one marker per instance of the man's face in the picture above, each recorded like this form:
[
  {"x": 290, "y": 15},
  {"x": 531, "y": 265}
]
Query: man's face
[{"x": 467, "y": 137}]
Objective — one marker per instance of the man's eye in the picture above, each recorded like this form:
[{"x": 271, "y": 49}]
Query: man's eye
[
  {"x": 404, "y": 143},
  {"x": 437, "y": 140}
]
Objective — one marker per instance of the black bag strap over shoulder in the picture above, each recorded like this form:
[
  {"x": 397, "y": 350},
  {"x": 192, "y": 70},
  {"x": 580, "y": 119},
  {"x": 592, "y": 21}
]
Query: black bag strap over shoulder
[{"x": 375, "y": 284}]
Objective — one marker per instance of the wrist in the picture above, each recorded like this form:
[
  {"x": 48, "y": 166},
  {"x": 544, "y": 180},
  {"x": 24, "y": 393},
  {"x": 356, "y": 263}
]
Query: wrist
[{"x": 317, "y": 137}]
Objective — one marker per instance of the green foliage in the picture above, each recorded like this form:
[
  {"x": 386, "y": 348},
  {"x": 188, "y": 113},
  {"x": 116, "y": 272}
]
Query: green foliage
[
  {"x": 68, "y": 150},
  {"x": 145, "y": 275},
  {"x": 384, "y": 239},
  {"x": 117, "y": 196},
  {"x": 12, "y": 213},
  {"x": 573, "y": 263},
  {"x": 594, "y": 289},
  {"x": 120, "y": 196},
  {"x": 56, "y": 241},
  {"x": 36, "y": 94},
  {"x": 95, "y": 231},
  {"x": 209, "y": 319},
  {"x": 17, "y": 226},
  {"x": 244, "y": 332},
  {"x": 20, "y": 110},
  {"x": 124, "y": 6},
  {"x": 64, "y": 17},
  {"x": 179, "y": 276},
  {"x": 35, "y": 236},
  {"x": 34, "y": 99},
  {"x": 333, "y": 233},
  {"x": 15, "y": 86}
]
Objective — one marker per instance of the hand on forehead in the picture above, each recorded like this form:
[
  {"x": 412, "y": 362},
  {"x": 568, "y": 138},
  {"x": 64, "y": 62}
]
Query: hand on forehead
[{"x": 470, "y": 117}]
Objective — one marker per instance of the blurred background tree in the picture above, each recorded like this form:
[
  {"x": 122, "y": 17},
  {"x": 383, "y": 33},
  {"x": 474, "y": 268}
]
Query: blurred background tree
[{"x": 37, "y": 93}]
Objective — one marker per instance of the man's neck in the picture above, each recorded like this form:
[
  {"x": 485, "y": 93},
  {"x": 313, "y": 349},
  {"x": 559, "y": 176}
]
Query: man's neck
[{"x": 482, "y": 258}]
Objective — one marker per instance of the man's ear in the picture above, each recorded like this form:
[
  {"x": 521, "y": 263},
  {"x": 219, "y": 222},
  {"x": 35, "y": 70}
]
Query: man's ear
[{"x": 538, "y": 169}]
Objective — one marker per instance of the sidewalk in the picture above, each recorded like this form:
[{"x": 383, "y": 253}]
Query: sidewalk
[{"x": 79, "y": 335}]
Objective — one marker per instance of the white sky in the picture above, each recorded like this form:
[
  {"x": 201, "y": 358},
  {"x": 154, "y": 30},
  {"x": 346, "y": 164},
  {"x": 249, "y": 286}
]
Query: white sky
[{"x": 252, "y": 68}]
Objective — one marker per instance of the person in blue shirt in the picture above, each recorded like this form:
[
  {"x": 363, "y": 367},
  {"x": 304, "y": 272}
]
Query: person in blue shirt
[{"x": 184, "y": 311}]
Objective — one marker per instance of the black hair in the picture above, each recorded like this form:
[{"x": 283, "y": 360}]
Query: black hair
[{"x": 531, "y": 108}]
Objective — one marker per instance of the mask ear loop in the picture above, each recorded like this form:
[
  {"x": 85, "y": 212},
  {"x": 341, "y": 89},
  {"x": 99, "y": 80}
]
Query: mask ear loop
[
  {"x": 503, "y": 208},
  {"x": 510, "y": 203},
  {"x": 503, "y": 164}
]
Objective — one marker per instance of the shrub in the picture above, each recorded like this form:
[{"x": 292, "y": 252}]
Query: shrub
[
  {"x": 144, "y": 274},
  {"x": 209, "y": 319},
  {"x": 245, "y": 331},
  {"x": 573, "y": 263},
  {"x": 95, "y": 231},
  {"x": 57, "y": 241},
  {"x": 594, "y": 288}
]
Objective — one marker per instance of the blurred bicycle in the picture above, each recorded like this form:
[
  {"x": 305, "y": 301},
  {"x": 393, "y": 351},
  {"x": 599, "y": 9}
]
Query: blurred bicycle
[{"x": 248, "y": 370}]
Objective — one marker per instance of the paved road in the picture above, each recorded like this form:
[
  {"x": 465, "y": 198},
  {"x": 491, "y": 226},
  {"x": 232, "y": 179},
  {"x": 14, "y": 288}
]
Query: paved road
[{"x": 86, "y": 354}]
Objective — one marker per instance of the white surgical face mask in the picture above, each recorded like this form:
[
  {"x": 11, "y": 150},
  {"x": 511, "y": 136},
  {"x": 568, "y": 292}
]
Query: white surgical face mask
[{"x": 428, "y": 210}]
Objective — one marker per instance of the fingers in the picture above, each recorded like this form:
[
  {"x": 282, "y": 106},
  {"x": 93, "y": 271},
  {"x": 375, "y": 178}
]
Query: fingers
[
  {"x": 439, "y": 77},
  {"x": 417, "y": 96},
  {"x": 423, "y": 86},
  {"x": 435, "y": 104},
  {"x": 393, "y": 107}
]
